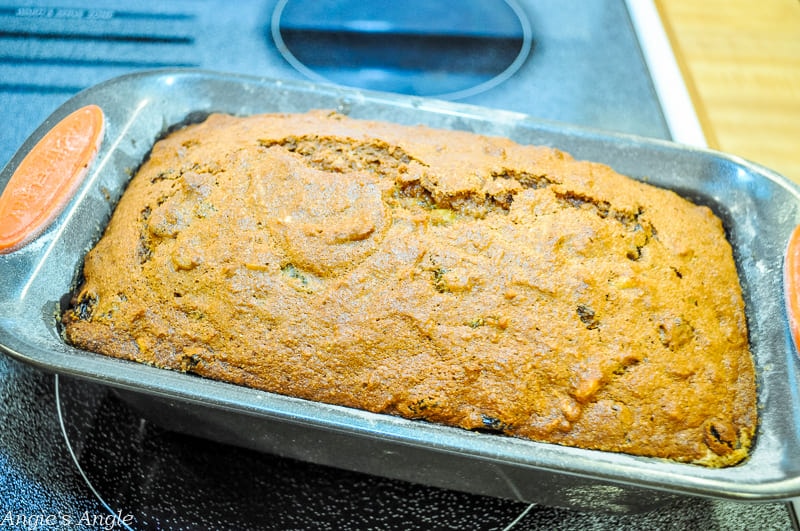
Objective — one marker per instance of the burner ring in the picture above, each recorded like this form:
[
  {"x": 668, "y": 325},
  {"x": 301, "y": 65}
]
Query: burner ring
[{"x": 418, "y": 55}]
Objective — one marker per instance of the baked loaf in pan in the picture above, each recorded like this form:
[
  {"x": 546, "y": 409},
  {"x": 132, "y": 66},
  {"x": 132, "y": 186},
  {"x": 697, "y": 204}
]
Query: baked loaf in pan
[{"x": 437, "y": 275}]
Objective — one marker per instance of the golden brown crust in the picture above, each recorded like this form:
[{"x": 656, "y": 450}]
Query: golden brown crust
[{"x": 436, "y": 275}]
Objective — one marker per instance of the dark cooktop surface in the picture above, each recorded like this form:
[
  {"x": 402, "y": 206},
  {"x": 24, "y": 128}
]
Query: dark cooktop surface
[{"x": 73, "y": 455}]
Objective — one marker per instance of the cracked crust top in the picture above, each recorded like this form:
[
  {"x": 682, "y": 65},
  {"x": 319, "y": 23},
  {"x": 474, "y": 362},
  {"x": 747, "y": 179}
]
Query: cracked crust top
[{"x": 437, "y": 275}]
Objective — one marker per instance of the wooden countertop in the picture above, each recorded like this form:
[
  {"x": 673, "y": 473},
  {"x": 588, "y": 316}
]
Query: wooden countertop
[{"x": 741, "y": 63}]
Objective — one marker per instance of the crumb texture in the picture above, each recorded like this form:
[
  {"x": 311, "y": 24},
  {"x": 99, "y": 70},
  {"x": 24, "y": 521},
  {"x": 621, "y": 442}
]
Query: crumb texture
[{"x": 436, "y": 275}]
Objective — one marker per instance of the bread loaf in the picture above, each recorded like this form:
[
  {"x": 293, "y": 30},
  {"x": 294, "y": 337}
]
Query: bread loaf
[{"x": 437, "y": 275}]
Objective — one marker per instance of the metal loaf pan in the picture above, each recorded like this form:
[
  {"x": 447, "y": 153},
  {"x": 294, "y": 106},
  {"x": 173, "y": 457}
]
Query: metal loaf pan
[{"x": 758, "y": 208}]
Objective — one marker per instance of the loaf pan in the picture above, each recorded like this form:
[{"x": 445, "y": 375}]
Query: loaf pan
[{"x": 759, "y": 209}]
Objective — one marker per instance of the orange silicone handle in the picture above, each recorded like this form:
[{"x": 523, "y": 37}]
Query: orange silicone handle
[
  {"x": 791, "y": 284},
  {"x": 48, "y": 176}
]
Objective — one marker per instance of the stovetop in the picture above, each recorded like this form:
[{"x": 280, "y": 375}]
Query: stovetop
[{"x": 74, "y": 455}]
